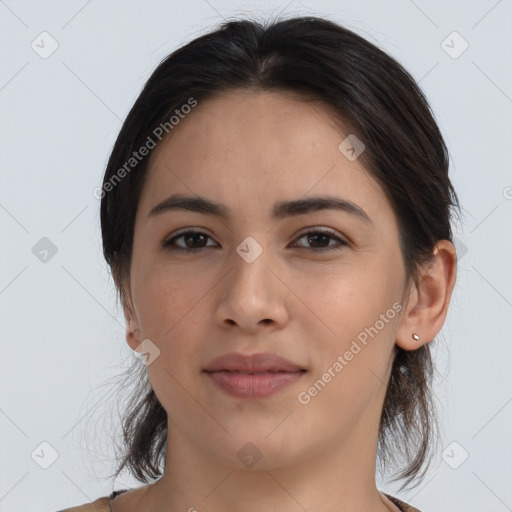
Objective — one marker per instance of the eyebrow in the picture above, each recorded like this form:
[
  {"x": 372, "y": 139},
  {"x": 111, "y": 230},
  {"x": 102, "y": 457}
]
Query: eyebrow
[{"x": 280, "y": 210}]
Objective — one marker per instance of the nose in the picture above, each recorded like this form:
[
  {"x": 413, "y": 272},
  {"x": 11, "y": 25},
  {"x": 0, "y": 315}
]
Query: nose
[{"x": 253, "y": 295}]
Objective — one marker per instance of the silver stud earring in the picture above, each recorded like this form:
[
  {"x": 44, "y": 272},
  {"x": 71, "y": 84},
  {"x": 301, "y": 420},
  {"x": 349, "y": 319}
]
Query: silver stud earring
[{"x": 415, "y": 337}]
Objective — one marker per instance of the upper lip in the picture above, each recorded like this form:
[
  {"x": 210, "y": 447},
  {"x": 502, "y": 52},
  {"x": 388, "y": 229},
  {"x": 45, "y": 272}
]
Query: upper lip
[{"x": 263, "y": 362}]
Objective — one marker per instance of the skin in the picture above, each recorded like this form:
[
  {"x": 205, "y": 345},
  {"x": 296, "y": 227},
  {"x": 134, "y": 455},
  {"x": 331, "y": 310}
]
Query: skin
[{"x": 249, "y": 150}]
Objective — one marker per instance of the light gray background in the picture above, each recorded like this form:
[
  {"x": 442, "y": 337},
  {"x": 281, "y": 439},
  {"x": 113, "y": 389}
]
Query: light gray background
[{"x": 62, "y": 333}]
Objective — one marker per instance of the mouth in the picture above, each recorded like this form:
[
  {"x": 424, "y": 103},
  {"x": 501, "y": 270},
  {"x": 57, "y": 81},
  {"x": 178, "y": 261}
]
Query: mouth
[
  {"x": 253, "y": 376},
  {"x": 253, "y": 373},
  {"x": 252, "y": 363}
]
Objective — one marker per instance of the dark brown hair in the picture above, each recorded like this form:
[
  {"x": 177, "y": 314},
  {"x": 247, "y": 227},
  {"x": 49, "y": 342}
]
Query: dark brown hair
[{"x": 366, "y": 90}]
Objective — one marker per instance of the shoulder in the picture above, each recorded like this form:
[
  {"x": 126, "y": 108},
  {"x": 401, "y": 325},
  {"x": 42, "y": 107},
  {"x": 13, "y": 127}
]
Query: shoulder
[
  {"x": 404, "y": 507},
  {"x": 102, "y": 505},
  {"x": 99, "y": 505}
]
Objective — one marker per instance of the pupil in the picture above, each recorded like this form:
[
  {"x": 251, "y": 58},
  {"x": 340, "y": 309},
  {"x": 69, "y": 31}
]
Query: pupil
[
  {"x": 316, "y": 236},
  {"x": 192, "y": 235}
]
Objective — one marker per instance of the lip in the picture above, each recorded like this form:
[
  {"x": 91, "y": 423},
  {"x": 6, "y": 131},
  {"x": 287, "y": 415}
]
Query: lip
[
  {"x": 253, "y": 376},
  {"x": 262, "y": 362}
]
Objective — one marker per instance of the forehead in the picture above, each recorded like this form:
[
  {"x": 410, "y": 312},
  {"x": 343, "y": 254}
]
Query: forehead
[{"x": 259, "y": 147}]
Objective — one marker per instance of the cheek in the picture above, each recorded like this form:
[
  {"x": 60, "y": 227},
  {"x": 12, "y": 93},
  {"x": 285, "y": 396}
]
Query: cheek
[
  {"x": 359, "y": 309},
  {"x": 351, "y": 370},
  {"x": 164, "y": 295},
  {"x": 168, "y": 309},
  {"x": 348, "y": 298}
]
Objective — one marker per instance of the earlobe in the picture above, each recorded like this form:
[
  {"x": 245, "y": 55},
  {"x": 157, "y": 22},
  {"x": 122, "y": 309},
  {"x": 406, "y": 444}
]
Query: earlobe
[
  {"x": 428, "y": 302},
  {"x": 132, "y": 328}
]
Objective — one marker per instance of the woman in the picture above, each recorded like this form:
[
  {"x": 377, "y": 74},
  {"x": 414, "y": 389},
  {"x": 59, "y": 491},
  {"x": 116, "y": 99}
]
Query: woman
[{"x": 276, "y": 214}]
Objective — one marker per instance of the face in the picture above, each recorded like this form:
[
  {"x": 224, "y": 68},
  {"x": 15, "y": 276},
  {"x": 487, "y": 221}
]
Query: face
[{"x": 319, "y": 287}]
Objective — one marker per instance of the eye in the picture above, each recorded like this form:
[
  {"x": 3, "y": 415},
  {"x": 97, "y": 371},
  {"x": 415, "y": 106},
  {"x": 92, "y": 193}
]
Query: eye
[
  {"x": 195, "y": 241},
  {"x": 191, "y": 238},
  {"x": 319, "y": 236}
]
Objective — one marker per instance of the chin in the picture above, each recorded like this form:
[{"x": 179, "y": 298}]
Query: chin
[{"x": 266, "y": 448}]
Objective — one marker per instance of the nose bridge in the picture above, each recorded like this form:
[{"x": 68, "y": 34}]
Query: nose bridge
[
  {"x": 252, "y": 292},
  {"x": 250, "y": 261}
]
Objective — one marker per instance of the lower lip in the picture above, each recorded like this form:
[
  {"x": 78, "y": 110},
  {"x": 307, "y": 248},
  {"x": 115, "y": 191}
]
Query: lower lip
[{"x": 245, "y": 385}]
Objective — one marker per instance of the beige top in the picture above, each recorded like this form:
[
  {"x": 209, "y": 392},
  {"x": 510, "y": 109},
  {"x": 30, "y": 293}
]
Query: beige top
[{"x": 103, "y": 504}]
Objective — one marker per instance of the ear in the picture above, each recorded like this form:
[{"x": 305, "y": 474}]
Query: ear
[
  {"x": 429, "y": 298},
  {"x": 132, "y": 327}
]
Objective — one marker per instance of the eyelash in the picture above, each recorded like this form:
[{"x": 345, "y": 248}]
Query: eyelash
[{"x": 170, "y": 243}]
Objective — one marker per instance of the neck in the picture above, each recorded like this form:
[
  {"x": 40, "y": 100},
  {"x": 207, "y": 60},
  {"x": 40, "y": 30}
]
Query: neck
[{"x": 338, "y": 480}]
